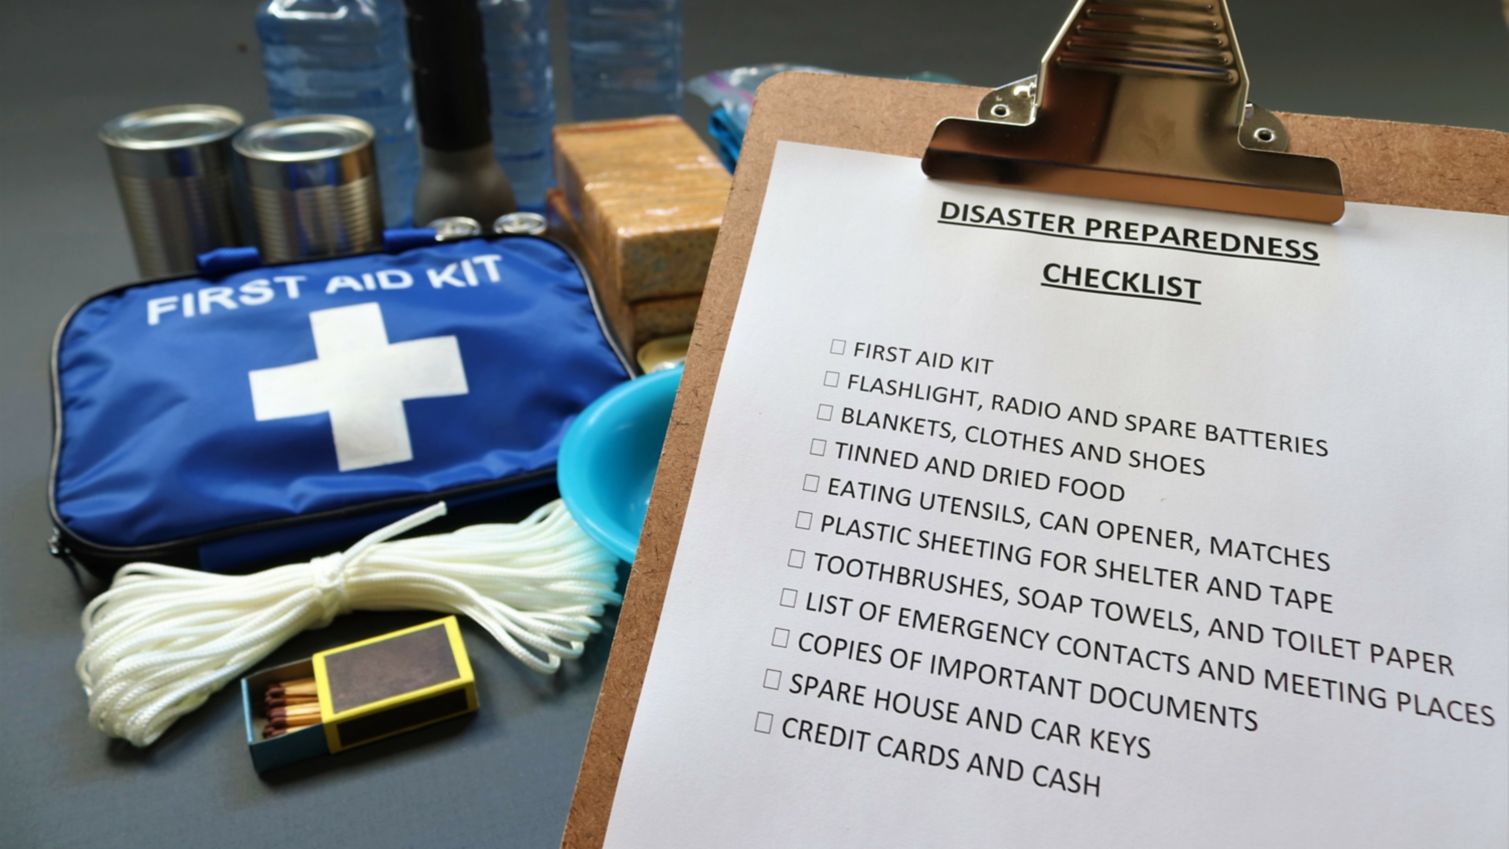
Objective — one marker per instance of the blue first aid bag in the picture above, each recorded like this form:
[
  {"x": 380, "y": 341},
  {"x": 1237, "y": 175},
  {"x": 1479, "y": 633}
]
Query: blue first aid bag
[{"x": 227, "y": 421}]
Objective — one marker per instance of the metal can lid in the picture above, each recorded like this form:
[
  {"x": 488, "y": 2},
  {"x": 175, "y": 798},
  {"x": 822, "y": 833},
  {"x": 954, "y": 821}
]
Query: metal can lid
[
  {"x": 307, "y": 151},
  {"x": 520, "y": 224},
  {"x": 454, "y": 227},
  {"x": 304, "y": 138},
  {"x": 170, "y": 127}
]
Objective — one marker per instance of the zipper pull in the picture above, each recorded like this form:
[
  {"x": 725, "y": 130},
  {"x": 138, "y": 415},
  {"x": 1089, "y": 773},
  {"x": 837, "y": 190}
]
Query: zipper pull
[
  {"x": 58, "y": 549},
  {"x": 55, "y": 545}
]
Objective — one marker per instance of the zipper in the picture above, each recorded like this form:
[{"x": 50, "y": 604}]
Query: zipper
[{"x": 64, "y": 544}]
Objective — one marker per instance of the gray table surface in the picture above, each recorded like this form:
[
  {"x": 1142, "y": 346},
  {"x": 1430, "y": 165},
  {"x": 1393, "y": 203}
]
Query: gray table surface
[{"x": 505, "y": 778}]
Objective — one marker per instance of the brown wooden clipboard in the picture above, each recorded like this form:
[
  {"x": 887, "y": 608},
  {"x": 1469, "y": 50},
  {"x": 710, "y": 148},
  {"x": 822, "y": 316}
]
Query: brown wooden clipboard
[{"x": 1380, "y": 161}]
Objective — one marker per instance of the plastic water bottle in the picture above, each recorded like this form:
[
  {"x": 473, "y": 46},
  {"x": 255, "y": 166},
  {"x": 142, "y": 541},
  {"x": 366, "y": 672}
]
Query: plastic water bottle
[
  {"x": 347, "y": 57},
  {"x": 516, "y": 45},
  {"x": 625, "y": 58}
]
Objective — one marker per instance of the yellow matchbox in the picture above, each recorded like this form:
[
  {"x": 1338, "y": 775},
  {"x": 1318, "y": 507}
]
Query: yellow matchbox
[{"x": 357, "y": 693}]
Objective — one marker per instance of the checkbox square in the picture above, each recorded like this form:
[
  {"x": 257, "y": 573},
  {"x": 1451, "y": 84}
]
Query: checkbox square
[
  {"x": 780, "y": 637},
  {"x": 803, "y": 520},
  {"x": 796, "y": 559},
  {"x": 772, "y": 679},
  {"x": 810, "y": 483},
  {"x": 825, "y": 412},
  {"x": 838, "y": 347},
  {"x": 819, "y": 448},
  {"x": 830, "y": 379},
  {"x": 788, "y": 597},
  {"x": 763, "y": 722}
]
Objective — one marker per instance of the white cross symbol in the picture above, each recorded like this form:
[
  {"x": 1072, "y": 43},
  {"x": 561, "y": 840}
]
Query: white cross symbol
[{"x": 361, "y": 381}]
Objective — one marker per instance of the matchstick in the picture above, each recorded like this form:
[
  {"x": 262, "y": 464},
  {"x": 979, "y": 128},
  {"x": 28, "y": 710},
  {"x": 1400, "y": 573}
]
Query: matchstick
[
  {"x": 293, "y": 710},
  {"x": 298, "y": 687},
  {"x": 290, "y": 706}
]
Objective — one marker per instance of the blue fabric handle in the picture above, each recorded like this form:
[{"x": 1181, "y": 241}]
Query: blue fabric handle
[
  {"x": 222, "y": 261},
  {"x": 399, "y": 239}
]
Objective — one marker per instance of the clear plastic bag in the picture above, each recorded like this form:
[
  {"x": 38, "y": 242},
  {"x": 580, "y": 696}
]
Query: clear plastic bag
[
  {"x": 731, "y": 94},
  {"x": 733, "y": 90}
]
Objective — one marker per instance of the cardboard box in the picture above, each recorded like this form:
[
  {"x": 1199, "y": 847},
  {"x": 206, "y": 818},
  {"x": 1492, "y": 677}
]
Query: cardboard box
[{"x": 367, "y": 691}]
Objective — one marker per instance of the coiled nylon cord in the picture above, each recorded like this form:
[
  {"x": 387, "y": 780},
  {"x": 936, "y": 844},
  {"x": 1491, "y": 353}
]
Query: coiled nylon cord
[{"x": 162, "y": 639}]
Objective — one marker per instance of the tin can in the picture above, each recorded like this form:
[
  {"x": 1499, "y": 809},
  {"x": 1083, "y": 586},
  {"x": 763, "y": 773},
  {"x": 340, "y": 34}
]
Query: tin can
[
  {"x": 313, "y": 185},
  {"x": 172, "y": 168}
]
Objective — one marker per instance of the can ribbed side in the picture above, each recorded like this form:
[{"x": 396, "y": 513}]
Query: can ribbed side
[
  {"x": 172, "y": 220},
  {"x": 318, "y": 222}
]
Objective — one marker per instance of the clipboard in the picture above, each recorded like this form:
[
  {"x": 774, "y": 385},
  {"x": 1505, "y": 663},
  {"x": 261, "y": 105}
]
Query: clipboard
[{"x": 1383, "y": 162}]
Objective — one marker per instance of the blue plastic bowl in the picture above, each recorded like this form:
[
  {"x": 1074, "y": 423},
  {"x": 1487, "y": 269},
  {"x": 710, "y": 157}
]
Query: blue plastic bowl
[{"x": 608, "y": 458}]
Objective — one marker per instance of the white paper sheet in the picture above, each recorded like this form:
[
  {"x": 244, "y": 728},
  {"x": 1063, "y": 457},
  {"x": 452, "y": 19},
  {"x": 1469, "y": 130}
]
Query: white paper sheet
[{"x": 1305, "y": 447}]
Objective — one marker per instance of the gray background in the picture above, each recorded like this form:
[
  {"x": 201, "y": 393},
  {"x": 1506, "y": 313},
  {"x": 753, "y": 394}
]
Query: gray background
[{"x": 506, "y": 777}]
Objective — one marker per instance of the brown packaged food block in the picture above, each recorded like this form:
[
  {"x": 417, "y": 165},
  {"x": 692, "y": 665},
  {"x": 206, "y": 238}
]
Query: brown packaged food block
[
  {"x": 664, "y": 317},
  {"x": 634, "y": 324},
  {"x": 648, "y": 197}
]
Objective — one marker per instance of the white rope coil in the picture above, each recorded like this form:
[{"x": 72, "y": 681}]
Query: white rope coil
[{"x": 162, "y": 639}]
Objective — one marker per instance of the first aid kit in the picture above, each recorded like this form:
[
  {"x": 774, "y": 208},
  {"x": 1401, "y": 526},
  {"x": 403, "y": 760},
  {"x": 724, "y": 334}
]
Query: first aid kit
[{"x": 251, "y": 413}]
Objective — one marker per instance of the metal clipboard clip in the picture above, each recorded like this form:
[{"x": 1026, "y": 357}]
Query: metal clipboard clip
[{"x": 1141, "y": 100}]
